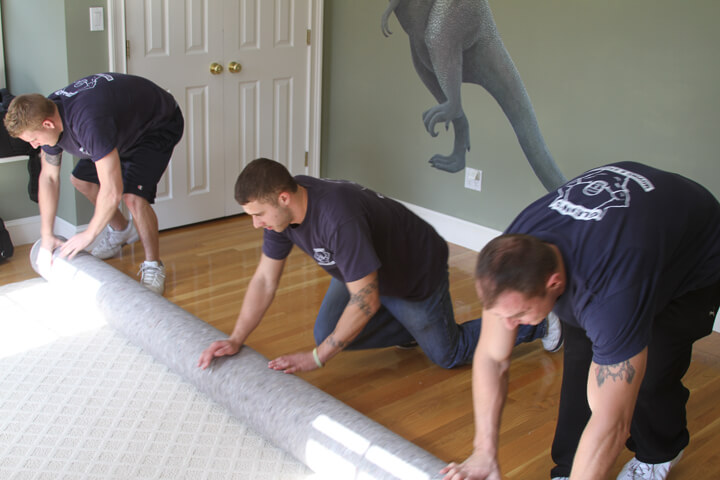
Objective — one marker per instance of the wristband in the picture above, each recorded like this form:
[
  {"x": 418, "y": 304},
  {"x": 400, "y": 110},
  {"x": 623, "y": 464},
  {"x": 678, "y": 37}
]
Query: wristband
[{"x": 317, "y": 358}]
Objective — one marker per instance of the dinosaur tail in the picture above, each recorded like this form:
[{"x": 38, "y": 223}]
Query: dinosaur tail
[{"x": 503, "y": 82}]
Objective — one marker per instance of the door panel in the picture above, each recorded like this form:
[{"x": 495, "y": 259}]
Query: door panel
[
  {"x": 266, "y": 104},
  {"x": 230, "y": 118}
]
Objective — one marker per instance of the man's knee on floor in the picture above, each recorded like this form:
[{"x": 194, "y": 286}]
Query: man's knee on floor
[
  {"x": 321, "y": 331},
  {"x": 445, "y": 359}
]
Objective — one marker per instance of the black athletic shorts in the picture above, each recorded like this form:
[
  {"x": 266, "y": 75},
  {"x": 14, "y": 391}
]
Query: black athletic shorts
[{"x": 142, "y": 167}]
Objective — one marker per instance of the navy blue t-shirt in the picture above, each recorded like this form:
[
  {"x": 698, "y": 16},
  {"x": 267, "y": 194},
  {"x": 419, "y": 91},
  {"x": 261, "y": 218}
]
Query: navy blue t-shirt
[
  {"x": 633, "y": 238},
  {"x": 352, "y": 231},
  {"x": 107, "y": 111}
]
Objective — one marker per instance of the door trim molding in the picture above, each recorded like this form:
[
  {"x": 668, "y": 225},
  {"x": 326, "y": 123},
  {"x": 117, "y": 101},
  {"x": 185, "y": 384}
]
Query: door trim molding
[
  {"x": 118, "y": 63},
  {"x": 317, "y": 8},
  {"x": 116, "y": 36}
]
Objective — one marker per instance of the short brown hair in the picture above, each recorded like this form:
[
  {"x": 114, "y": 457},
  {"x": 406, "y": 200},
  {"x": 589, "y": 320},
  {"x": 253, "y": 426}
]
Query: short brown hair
[
  {"x": 516, "y": 262},
  {"x": 263, "y": 180},
  {"x": 27, "y": 113}
]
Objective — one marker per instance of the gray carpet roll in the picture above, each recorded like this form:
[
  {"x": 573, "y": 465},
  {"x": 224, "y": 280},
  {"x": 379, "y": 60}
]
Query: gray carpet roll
[{"x": 328, "y": 436}]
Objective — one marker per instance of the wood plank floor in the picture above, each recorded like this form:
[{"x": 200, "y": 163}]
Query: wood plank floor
[{"x": 210, "y": 264}]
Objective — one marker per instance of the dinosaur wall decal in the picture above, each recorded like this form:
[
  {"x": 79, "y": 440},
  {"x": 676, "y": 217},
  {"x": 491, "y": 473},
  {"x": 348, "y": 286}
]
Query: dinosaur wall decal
[{"x": 456, "y": 41}]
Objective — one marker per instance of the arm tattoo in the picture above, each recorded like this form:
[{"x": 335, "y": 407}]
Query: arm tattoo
[
  {"x": 53, "y": 160},
  {"x": 618, "y": 372},
  {"x": 335, "y": 343},
  {"x": 359, "y": 298}
]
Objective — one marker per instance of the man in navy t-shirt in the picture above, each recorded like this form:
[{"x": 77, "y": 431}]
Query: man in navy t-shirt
[
  {"x": 389, "y": 269},
  {"x": 628, "y": 257},
  {"x": 123, "y": 128}
]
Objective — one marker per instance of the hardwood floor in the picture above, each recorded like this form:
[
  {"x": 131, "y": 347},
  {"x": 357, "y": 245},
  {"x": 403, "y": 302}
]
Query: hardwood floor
[{"x": 210, "y": 264}]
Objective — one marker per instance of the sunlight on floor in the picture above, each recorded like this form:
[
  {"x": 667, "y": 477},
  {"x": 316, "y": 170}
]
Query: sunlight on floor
[
  {"x": 45, "y": 315},
  {"x": 322, "y": 458}
]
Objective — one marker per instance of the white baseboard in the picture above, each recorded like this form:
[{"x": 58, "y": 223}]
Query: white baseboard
[
  {"x": 455, "y": 230},
  {"x": 27, "y": 230}
]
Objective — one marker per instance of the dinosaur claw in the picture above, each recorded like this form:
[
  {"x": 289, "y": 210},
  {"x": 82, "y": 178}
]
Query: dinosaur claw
[{"x": 452, "y": 164}]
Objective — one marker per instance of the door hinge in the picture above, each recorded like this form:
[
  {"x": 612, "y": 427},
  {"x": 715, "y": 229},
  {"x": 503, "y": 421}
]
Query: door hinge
[
  {"x": 309, "y": 36},
  {"x": 127, "y": 48},
  {"x": 306, "y": 159}
]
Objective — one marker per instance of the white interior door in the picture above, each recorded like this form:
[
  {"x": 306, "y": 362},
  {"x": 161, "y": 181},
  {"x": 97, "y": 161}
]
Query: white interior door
[
  {"x": 231, "y": 117},
  {"x": 266, "y": 100}
]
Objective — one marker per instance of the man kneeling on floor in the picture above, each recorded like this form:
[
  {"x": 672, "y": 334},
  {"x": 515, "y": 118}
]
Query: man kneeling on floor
[
  {"x": 389, "y": 269},
  {"x": 124, "y": 129}
]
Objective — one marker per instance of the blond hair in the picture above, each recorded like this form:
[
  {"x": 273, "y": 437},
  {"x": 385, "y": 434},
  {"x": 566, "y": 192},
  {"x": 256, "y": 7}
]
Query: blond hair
[{"x": 27, "y": 113}]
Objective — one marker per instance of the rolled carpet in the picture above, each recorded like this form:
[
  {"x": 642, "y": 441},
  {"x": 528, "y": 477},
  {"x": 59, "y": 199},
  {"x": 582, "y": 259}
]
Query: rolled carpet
[{"x": 331, "y": 438}]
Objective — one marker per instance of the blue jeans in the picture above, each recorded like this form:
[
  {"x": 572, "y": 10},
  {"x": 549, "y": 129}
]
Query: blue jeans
[{"x": 430, "y": 322}]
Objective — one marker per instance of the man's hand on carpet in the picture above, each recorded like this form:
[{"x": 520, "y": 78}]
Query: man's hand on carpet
[
  {"x": 76, "y": 244},
  {"x": 297, "y": 362},
  {"x": 44, "y": 261},
  {"x": 220, "y": 348},
  {"x": 45, "y": 254},
  {"x": 476, "y": 467}
]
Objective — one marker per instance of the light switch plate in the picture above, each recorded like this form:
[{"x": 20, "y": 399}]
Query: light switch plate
[{"x": 97, "y": 23}]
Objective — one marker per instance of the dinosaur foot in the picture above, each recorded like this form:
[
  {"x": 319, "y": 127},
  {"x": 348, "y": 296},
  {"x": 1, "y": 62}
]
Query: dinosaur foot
[{"x": 452, "y": 163}]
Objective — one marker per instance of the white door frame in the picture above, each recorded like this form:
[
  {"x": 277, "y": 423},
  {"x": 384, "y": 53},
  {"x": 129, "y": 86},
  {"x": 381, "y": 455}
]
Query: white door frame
[{"x": 118, "y": 63}]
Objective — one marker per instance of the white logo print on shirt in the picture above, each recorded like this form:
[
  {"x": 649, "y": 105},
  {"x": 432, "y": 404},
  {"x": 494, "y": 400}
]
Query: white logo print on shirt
[
  {"x": 590, "y": 196},
  {"x": 323, "y": 257},
  {"x": 84, "y": 84}
]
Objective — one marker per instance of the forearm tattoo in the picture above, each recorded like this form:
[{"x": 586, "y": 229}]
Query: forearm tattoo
[
  {"x": 53, "y": 159},
  {"x": 360, "y": 298},
  {"x": 335, "y": 343},
  {"x": 618, "y": 372}
]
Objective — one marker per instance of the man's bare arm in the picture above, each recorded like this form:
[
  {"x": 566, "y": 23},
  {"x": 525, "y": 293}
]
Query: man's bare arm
[
  {"x": 108, "y": 199},
  {"x": 48, "y": 195},
  {"x": 53, "y": 159},
  {"x": 491, "y": 364},
  {"x": 258, "y": 298},
  {"x": 363, "y": 304},
  {"x": 612, "y": 393}
]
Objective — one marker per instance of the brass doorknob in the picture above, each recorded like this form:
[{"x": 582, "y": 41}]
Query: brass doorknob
[
  {"x": 216, "y": 68},
  {"x": 234, "y": 67}
]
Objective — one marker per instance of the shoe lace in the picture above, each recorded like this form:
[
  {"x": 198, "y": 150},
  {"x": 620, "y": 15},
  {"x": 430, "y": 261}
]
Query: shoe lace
[
  {"x": 150, "y": 274},
  {"x": 105, "y": 242},
  {"x": 642, "y": 470}
]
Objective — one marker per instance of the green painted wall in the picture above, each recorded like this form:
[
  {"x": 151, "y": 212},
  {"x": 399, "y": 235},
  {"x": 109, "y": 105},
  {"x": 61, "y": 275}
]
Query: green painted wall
[
  {"x": 609, "y": 81},
  {"x": 612, "y": 80},
  {"x": 48, "y": 44}
]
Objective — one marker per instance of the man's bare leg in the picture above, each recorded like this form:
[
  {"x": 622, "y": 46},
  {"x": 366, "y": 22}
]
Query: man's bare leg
[
  {"x": 90, "y": 191},
  {"x": 146, "y": 223}
]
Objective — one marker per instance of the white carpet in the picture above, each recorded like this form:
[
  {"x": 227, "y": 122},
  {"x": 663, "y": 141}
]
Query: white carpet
[{"x": 78, "y": 401}]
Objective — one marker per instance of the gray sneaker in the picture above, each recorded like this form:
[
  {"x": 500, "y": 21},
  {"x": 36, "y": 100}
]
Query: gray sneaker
[
  {"x": 152, "y": 276},
  {"x": 113, "y": 240},
  {"x": 637, "y": 470},
  {"x": 553, "y": 339}
]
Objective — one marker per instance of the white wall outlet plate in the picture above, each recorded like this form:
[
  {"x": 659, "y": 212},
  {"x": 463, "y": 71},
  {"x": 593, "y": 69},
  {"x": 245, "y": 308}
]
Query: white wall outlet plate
[{"x": 473, "y": 179}]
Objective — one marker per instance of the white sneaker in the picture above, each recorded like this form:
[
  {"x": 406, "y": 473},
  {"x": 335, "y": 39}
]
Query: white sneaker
[
  {"x": 152, "y": 276},
  {"x": 561, "y": 478},
  {"x": 553, "y": 339},
  {"x": 113, "y": 240},
  {"x": 635, "y": 469}
]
